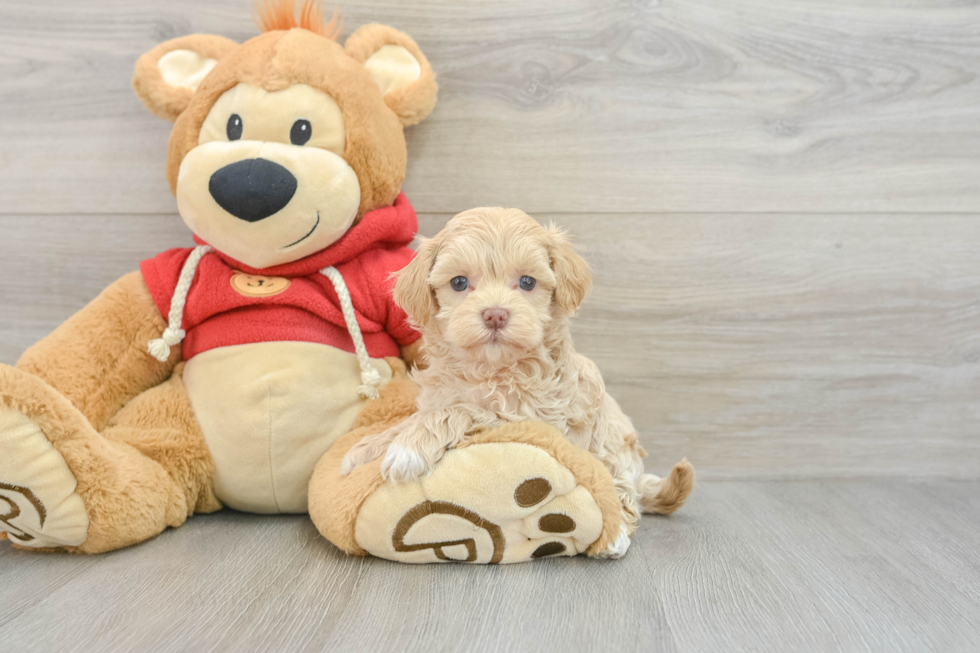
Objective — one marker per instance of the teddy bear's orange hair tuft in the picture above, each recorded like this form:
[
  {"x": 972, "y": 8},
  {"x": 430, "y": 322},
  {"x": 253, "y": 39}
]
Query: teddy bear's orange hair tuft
[{"x": 281, "y": 14}]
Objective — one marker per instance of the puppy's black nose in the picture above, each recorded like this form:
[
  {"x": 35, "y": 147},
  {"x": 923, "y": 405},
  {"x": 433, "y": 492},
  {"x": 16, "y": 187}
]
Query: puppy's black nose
[
  {"x": 495, "y": 318},
  {"x": 252, "y": 189}
]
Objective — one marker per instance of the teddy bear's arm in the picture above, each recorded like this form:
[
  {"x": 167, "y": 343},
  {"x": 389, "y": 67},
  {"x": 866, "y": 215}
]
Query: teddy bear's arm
[{"x": 98, "y": 357}]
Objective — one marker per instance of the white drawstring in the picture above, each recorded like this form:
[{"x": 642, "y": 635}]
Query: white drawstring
[
  {"x": 160, "y": 347},
  {"x": 370, "y": 378}
]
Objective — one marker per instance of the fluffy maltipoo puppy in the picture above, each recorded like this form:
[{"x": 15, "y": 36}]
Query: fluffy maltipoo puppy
[{"x": 492, "y": 294}]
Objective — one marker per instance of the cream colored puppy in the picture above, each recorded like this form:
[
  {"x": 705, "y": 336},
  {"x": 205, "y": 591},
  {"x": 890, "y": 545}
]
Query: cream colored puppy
[{"x": 492, "y": 294}]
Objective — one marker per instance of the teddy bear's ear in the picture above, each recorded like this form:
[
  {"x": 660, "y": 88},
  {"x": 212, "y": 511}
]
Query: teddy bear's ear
[
  {"x": 398, "y": 67},
  {"x": 167, "y": 76}
]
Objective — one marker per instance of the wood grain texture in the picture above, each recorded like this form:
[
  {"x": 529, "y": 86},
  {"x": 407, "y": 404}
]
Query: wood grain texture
[
  {"x": 760, "y": 346},
  {"x": 555, "y": 105},
  {"x": 843, "y": 566}
]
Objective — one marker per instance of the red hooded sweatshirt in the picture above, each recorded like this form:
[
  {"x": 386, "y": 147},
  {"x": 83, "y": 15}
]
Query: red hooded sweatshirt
[{"x": 225, "y": 306}]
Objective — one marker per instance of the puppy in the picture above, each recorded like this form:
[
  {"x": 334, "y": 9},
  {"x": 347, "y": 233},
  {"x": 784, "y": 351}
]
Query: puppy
[{"x": 492, "y": 294}]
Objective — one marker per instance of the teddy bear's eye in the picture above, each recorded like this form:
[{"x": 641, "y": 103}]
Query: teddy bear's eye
[
  {"x": 526, "y": 283},
  {"x": 460, "y": 284},
  {"x": 301, "y": 132},
  {"x": 234, "y": 128}
]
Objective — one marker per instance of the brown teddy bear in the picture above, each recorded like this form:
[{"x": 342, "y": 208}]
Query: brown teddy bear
[{"x": 221, "y": 375}]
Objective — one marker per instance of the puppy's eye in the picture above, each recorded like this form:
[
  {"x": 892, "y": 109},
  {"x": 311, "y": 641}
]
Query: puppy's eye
[
  {"x": 234, "y": 127},
  {"x": 301, "y": 132},
  {"x": 526, "y": 283},
  {"x": 460, "y": 284}
]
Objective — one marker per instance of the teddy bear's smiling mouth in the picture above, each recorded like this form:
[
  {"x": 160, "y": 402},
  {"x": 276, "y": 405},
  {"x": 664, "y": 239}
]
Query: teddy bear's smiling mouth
[{"x": 308, "y": 234}]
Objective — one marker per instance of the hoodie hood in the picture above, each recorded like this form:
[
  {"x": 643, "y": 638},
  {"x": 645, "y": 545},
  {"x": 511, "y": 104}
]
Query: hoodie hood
[{"x": 391, "y": 227}]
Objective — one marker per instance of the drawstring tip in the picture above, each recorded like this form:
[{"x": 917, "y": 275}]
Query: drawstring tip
[
  {"x": 159, "y": 349},
  {"x": 368, "y": 391},
  {"x": 370, "y": 380}
]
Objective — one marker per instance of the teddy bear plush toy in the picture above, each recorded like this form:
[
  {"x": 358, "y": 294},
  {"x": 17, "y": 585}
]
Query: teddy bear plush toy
[{"x": 238, "y": 372}]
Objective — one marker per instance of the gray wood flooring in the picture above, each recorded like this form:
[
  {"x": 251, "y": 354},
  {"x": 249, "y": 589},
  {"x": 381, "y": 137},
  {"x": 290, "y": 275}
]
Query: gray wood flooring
[
  {"x": 764, "y": 566},
  {"x": 781, "y": 203}
]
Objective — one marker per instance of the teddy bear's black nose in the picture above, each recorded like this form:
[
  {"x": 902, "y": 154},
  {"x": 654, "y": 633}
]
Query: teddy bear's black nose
[{"x": 252, "y": 189}]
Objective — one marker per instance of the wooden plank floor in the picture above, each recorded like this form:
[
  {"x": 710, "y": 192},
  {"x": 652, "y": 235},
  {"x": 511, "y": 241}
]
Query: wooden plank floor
[{"x": 778, "y": 566}]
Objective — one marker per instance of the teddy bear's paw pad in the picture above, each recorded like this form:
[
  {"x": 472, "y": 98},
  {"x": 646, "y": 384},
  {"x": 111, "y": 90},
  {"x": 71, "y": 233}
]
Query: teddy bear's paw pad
[
  {"x": 497, "y": 502},
  {"x": 38, "y": 504}
]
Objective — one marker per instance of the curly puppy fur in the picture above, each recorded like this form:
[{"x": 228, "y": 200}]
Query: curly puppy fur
[{"x": 476, "y": 376}]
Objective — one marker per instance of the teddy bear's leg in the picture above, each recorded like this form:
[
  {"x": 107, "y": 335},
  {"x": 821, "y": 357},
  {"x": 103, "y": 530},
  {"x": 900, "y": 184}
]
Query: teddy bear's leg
[
  {"x": 161, "y": 425},
  {"x": 64, "y": 485},
  {"x": 513, "y": 493},
  {"x": 509, "y": 494}
]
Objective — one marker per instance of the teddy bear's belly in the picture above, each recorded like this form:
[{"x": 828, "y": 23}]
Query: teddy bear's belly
[{"x": 269, "y": 411}]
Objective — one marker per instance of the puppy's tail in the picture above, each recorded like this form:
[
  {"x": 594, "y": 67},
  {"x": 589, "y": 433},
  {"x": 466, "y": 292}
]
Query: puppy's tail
[{"x": 667, "y": 495}]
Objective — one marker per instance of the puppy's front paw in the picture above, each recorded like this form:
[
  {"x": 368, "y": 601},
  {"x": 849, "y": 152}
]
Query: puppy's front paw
[
  {"x": 403, "y": 465},
  {"x": 618, "y": 548}
]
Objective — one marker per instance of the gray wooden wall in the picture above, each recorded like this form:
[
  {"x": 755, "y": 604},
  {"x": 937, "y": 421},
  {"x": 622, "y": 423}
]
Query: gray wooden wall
[{"x": 781, "y": 199}]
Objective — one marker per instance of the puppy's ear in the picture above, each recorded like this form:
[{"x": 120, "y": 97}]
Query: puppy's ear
[
  {"x": 399, "y": 69},
  {"x": 167, "y": 76},
  {"x": 412, "y": 290},
  {"x": 572, "y": 276}
]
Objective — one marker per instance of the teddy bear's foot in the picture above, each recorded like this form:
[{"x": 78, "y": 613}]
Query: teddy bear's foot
[
  {"x": 39, "y": 507},
  {"x": 489, "y": 503},
  {"x": 509, "y": 494}
]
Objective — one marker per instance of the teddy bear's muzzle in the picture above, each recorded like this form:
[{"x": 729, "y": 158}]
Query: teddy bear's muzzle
[{"x": 252, "y": 189}]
